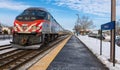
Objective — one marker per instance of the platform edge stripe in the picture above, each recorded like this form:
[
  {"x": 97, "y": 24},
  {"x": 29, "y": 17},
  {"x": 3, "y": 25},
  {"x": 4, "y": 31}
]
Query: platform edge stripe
[{"x": 46, "y": 60}]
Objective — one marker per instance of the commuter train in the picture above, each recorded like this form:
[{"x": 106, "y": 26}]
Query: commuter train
[{"x": 35, "y": 26}]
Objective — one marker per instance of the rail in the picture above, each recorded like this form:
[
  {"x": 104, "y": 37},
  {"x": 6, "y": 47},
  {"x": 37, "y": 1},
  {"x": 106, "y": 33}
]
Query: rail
[{"x": 17, "y": 58}]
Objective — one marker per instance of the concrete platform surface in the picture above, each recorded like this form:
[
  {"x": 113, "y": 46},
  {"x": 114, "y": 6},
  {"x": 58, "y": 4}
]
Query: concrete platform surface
[
  {"x": 44, "y": 62},
  {"x": 75, "y": 56}
]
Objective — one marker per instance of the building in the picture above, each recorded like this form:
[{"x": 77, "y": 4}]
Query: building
[
  {"x": 84, "y": 32},
  {"x": 5, "y": 29}
]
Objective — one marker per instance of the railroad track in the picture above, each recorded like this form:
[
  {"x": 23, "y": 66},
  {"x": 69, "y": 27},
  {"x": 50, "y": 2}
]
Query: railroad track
[
  {"x": 14, "y": 59},
  {"x": 5, "y": 47}
]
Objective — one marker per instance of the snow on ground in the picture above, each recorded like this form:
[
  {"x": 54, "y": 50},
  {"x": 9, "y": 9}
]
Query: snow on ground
[
  {"x": 5, "y": 42},
  {"x": 94, "y": 45}
]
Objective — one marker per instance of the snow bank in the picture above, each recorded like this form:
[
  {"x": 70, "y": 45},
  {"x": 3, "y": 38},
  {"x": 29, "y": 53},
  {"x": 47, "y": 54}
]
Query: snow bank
[
  {"x": 5, "y": 42},
  {"x": 94, "y": 45}
]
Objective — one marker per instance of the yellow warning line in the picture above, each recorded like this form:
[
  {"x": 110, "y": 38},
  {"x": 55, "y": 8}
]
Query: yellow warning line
[{"x": 46, "y": 60}]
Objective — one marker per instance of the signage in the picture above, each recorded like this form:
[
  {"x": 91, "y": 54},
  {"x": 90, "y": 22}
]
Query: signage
[{"x": 108, "y": 26}]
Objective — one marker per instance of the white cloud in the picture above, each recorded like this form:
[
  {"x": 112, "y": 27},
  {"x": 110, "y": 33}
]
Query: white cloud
[
  {"x": 10, "y": 4},
  {"x": 95, "y": 7},
  {"x": 118, "y": 12}
]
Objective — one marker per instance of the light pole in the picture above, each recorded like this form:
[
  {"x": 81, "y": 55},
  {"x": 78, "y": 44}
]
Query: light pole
[
  {"x": 77, "y": 24},
  {"x": 113, "y": 19},
  {"x": 78, "y": 20}
]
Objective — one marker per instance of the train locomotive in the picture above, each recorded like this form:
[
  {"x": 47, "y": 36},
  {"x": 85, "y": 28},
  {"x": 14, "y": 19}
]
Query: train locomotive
[{"x": 35, "y": 26}]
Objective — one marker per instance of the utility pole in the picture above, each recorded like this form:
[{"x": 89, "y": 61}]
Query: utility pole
[
  {"x": 78, "y": 20},
  {"x": 113, "y": 19},
  {"x": 77, "y": 24}
]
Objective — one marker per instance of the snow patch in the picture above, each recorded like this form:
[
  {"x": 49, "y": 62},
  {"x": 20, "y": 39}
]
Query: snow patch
[
  {"x": 94, "y": 45},
  {"x": 5, "y": 42}
]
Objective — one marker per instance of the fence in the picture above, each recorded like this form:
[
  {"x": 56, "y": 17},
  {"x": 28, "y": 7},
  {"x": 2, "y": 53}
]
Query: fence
[{"x": 3, "y": 37}]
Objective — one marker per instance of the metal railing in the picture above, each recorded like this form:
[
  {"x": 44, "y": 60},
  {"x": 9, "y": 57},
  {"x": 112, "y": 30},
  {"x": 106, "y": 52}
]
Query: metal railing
[{"x": 3, "y": 36}]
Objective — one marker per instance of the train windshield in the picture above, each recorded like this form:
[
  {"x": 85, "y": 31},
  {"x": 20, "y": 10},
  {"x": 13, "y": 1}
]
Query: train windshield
[
  {"x": 34, "y": 13},
  {"x": 28, "y": 15}
]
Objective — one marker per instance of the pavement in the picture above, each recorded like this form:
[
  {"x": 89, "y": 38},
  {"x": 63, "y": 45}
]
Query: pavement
[
  {"x": 76, "y": 56},
  {"x": 45, "y": 61}
]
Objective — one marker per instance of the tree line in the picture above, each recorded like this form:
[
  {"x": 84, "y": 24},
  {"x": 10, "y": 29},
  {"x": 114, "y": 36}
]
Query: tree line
[{"x": 83, "y": 23}]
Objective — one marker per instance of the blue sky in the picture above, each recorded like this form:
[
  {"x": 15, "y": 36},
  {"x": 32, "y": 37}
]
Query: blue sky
[{"x": 64, "y": 11}]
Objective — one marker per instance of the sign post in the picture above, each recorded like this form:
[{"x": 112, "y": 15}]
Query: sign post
[
  {"x": 101, "y": 42},
  {"x": 107, "y": 26}
]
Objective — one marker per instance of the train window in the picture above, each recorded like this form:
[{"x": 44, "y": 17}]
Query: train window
[
  {"x": 41, "y": 13},
  {"x": 33, "y": 18},
  {"x": 20, "y": 18},
  {"x": 34, "y": 13},
  {"x": 27, "y": 12},
  {"x": 29, "y": 15}
]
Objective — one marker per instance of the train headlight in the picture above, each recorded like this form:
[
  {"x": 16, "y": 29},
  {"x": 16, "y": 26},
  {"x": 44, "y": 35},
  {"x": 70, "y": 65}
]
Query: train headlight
[
  {"x": 34, "y": 28},
  {"x": 38, "y": 28}
]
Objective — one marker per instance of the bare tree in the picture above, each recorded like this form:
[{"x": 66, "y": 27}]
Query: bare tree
[
  {"x": 83, "y": 23},
  {"x": 118, "y": 27},
  {"x": 77, "y": 26},
  {"x": 86, "y": 23}
]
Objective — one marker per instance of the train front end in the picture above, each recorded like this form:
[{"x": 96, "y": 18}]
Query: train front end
[{"x": 28, "y": 27}]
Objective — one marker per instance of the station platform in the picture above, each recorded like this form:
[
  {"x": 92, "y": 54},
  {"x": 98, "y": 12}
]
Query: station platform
[{"x": 73, "y": 56}]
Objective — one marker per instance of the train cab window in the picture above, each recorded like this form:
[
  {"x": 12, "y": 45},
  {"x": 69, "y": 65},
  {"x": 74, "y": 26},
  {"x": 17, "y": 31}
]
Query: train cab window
[
  {"x": 20, "y": 18},
  {"x": 27, "y": 12},
  {"x": 41, "y": 14},
  {"x": 32, "y": 15}
]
